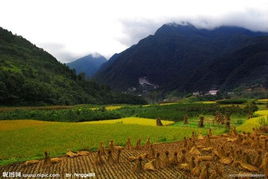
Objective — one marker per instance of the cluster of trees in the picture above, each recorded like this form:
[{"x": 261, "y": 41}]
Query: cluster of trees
[{"x": 63, "y": 115}]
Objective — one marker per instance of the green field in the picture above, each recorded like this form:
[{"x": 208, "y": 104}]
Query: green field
[
  {"x": 20, "y": 141},
  {"x": 28, "y": 138}
]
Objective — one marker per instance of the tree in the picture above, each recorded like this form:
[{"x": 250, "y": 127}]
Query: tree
[
  {"x": 81, "y": 77},
  {"x": 3, "y": 92}
]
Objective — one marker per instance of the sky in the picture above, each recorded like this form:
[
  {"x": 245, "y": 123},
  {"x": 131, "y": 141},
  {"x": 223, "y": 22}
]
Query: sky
[{"x": 69, "y": 29}]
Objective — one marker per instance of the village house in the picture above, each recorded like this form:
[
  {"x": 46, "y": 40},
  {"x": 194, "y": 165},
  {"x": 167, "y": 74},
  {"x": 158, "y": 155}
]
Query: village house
[
  {"x": 197, "y": 93},
  {"x": 213, "y": 92}
]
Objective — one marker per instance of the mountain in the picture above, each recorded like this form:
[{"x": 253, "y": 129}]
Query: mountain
[
  {"x": 88, "y": 64},
  {"x": 31, "y": 76},
  {"x": 187, "y": 59},
  {"x": 246, "y": 67}
]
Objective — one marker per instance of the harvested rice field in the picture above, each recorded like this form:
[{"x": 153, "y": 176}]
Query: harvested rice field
[{"x": 199, "y": 156}]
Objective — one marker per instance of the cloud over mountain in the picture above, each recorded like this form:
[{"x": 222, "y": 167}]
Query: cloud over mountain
[{"x": 109, "y": 27}]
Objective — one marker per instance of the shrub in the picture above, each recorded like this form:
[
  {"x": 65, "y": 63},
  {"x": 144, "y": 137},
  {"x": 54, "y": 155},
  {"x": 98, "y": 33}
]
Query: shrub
[{"x": 232, "y": 101}]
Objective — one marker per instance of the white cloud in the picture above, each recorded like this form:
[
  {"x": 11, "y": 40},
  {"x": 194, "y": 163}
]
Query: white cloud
[{"x": 79, "y": 27}]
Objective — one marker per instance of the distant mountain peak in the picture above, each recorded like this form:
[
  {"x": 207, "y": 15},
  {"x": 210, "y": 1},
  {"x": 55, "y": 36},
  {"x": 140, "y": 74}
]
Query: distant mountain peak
[
  {"x": 95, "y": 55},
  {"x": 184, "y": 27},
  {"x": 88, "y": 64},
  {"x": 180, "y": 24}
]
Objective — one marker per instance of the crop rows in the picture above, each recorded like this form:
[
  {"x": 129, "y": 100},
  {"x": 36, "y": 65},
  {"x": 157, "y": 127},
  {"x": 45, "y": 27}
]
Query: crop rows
[{"x": 217, "y": 152}]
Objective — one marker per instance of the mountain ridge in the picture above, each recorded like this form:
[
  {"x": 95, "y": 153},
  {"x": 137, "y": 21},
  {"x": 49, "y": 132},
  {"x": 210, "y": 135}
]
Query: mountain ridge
[{"x": 177, "y": 57}]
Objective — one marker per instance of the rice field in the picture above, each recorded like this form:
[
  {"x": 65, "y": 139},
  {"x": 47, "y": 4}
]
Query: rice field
[
  {"x": 109, "y": 108},
  {"x": 10, "y": 125},
  {"x": 262, "y": 113},
  {"x": 207, "y": 102},
  {"x": 160, "y": 104},
  {"x": 131, "y": 120},
  {"x": 113, "y": 107},
  {"x": 236, "y": 120},
  {"x": 164, "y": 104},
  {"x": 28, "y": 139},
  {"x": 262, "y": 100},
  {"x": 254, "y": 122}
]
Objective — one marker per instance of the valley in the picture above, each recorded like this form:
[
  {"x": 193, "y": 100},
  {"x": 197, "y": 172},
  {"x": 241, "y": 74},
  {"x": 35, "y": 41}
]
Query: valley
[{"x": 184, "y": 102}]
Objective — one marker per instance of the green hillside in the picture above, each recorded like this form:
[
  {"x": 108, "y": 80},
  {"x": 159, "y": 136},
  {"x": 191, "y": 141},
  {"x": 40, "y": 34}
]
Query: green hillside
[{"x": 31, "y": 76}]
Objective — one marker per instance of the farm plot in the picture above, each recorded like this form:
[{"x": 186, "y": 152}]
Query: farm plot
[
  {"x": 27, "y": 139},
  {"x": 131, "y": 120},
  {"x": 198, "y": 156}
]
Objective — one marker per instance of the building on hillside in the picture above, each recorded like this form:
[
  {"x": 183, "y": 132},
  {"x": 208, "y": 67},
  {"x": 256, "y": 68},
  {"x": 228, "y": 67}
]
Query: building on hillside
[
  {"x": 213, "y": 92},
  {"x": 197, "y": 93}
]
